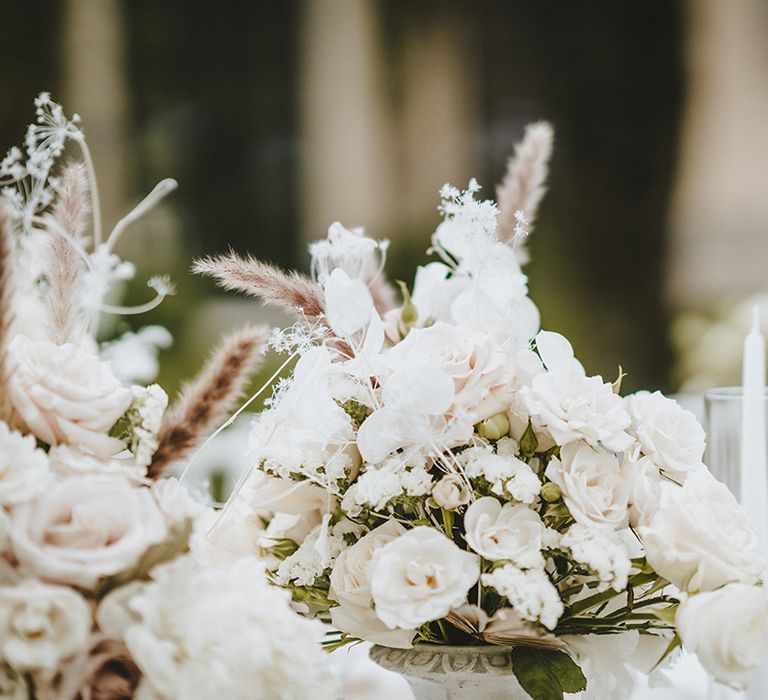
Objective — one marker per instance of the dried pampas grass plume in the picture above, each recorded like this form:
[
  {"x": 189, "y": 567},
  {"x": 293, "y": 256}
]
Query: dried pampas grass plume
[
  {"x": 290, "y": 291},
  {"x": 524, "y": 183},
  {"x": 6, "y": 308},
  {"x": 208, "y": 399},
  {"x": 70, "y": 213}
]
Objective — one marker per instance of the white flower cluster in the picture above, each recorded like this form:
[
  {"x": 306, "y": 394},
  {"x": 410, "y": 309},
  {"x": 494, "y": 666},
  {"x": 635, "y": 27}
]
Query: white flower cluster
[{"x": 482, "y": 466}]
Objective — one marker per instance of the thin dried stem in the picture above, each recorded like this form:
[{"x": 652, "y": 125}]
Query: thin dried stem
[
  {"x": 289, "y": 291},
  {"x": 6, "y": 309},
  {"x": 70, "y": 213},
  {"x": 208, "y": 399},
  {"x": 524, "y": 183}
]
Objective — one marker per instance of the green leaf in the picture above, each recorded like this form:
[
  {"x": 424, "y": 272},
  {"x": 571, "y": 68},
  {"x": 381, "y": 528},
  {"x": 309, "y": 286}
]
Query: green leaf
[
  {"x": 546, "y": 674},
  {"x": 569, "y": 674},
  {"x": 667, "y": 614}
]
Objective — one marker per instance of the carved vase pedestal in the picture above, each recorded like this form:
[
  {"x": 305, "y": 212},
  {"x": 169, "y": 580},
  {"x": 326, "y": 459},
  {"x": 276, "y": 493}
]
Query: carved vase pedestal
[{"x": 438, "y": 672}]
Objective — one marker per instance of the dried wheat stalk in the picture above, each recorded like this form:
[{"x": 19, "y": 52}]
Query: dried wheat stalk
[{"x": 207, "y": 400}]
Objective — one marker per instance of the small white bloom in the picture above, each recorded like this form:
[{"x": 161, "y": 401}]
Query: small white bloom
[
  {"x": 66, "y": 395},
  {"x": 85, "y": 528},
  {"x": 508, "y": 475},
  {"x": 728, "y": 630},
  {"x": 667, "y": 433},
  {"x": 23, "y": 467},
  {"x": 591, "y": 483},
  {"x": 572, "y": 406},
  {"x": 40, "y": 625},
  {"x": 451, "y": 492},
  {"x": 530, "y": 593},
  {"x": 602, "y": 550},
  {"x": 419, "y": 577},
  {"x": 499, "y": 532},
  {"x": 701, "y": 538}
]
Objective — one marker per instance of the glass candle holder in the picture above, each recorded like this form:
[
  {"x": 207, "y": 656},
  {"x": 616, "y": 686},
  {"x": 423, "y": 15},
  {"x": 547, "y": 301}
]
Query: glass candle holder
[{"x": 722, "y": 420}]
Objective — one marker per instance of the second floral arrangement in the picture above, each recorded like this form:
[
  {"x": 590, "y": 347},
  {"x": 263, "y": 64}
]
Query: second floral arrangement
[{"x": 440, "y": 470}]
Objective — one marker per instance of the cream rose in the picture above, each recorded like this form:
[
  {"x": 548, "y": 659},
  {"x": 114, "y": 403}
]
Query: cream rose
[
  {"x": 419, "y": 577},
  {"x": 23, "y": 467},
  {"x": 667, "y": 433},
  {"x": 480, "y": 370},
  {"x": 86, "y": 528},
  {"x": 497, "y": 532},
  {"x": 728, "y": 630},
  {"x": 591, "y": 483},
  {"x": 66, "y": 395},
  {"x": 701, "y": 538},
  {"x": 451, "y": 492},
  {"x": 40, "y": 625}
]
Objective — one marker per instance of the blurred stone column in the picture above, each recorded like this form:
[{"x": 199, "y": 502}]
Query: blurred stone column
[
  {"x": 95, "y": 86},
  {"x": 348, "y": 150},
  {"x": 720, "y": 212}
]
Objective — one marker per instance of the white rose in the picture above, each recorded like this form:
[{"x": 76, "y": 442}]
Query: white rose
[
  {"x": 419, "y": 577},
  {"x": 728, "y": 631},
  {"x": 40, "y": 625},
  {"x": 570, "y": 405},
  {"x": 451, "y": 492},
  {"x": 591, "y": 483},
  {"x": 701, "y": 538},
  {"x": 65, "y": 394},
  {"x": 69, "y": 460},
  {"x": 643, "y": 482},
  {"x": 667, "y": 433},
  {"x": 23, "y": 467},
  {"x": 499, "y": 532},
  {"x": 85, "y": 528},
  {"x": 350, "y": 580}
]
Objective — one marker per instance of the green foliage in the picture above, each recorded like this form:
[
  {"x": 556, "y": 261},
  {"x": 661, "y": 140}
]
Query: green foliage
[
  {"x": 529, "y": 442},
  {"x": 545, "y": 674},
  {"x": 356, "y": 411}
]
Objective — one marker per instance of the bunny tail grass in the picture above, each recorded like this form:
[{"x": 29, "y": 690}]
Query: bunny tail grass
[
  {"x": 289, "y": 291},
  {"x": 208, "y": 399},
  {"x": 524, "y": 183}
]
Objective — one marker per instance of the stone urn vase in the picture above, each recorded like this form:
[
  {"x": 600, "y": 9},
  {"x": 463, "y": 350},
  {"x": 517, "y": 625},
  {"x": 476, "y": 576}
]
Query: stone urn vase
[{"x": 442, "y": 672}]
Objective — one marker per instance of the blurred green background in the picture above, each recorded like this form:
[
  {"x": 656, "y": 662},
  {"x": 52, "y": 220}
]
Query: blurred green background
[{"x": 278, "y": 118}]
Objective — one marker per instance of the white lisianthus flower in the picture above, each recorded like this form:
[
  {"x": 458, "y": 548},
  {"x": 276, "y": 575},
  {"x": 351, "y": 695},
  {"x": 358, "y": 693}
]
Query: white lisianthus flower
[
  {"x": 66, "y": 395},
  {"x": 591, "y": 483},
  {"x": 605, "y": 660},
  {"x": 571, "y": 406},
  {"x": 40, "y": 625},
  {"x": 85, "y": 528},
  {"x": 349, "y": 249},
  {"x": 667, "y": 433},
  {"x": 530, "y": 593},
  {"x": 419, "y": 577},
  {"x": 728, "y": 630},
  {"x": 198, "y": 633},
  {"x": 643, "y": 482},
  {"x": 23, "y": 467},
  {"x": 512, "y": 532},
  {"x": 451, "y": 492},
  {"x": 351, "y": 587},
  {"x": 701, "y": 538}
]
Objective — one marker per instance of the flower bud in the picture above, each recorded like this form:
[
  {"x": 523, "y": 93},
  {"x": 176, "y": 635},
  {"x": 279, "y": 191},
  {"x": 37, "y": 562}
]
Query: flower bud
[
  {"x": 450, "y": 492},
  {"x": 493, "y": 428},
  {"x": 550, "y": 492}
]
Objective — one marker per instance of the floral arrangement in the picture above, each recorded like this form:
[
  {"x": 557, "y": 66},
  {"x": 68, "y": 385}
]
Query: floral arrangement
[
  {"x": 108, "y": 587},
  {"x": 441, "y": 471}
]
